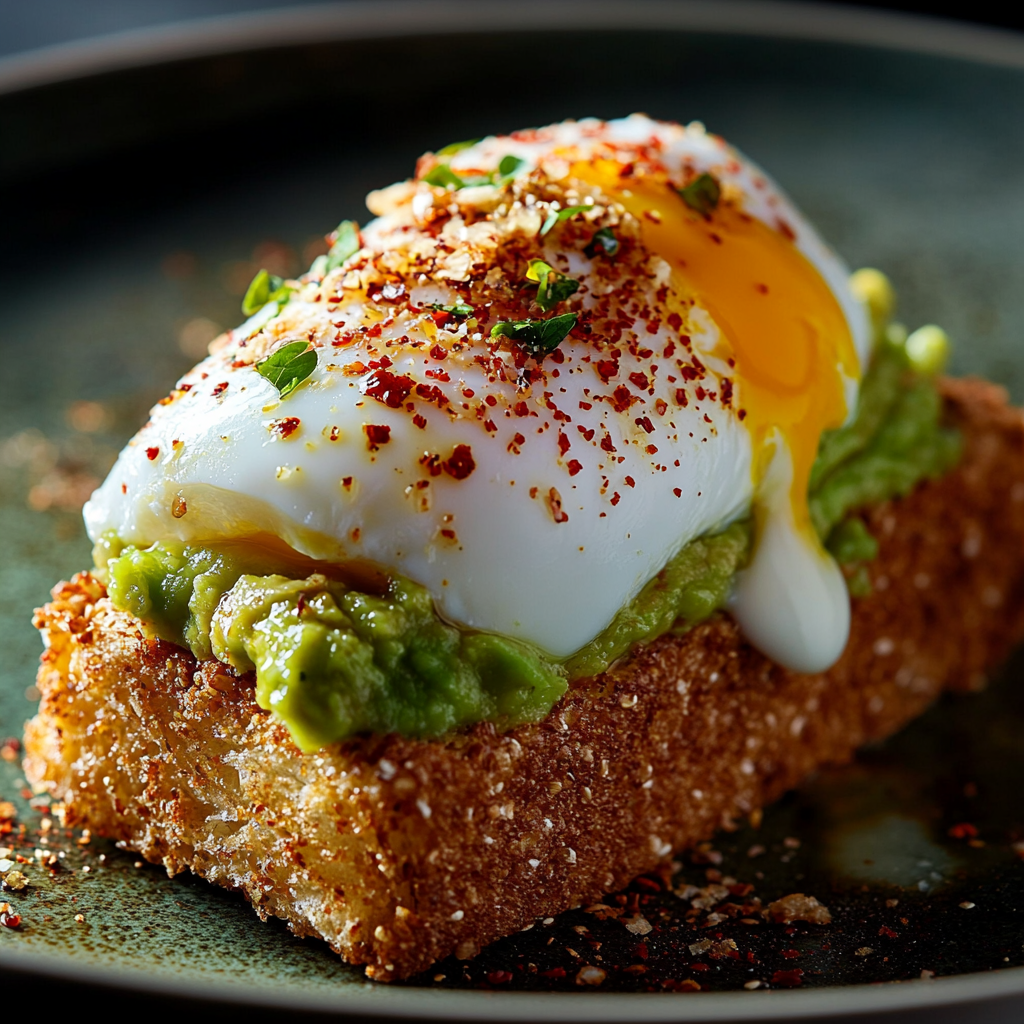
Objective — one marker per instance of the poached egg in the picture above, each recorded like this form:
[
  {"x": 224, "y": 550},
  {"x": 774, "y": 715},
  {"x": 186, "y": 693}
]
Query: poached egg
[{"x": 714, "y": 338}]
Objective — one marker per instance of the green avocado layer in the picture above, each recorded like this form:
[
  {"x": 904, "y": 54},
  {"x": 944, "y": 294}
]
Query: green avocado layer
[{"x": 332, "y": 660}]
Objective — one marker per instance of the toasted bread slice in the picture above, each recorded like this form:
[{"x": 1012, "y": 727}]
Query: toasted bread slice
[{"x": 399, "y": 851}]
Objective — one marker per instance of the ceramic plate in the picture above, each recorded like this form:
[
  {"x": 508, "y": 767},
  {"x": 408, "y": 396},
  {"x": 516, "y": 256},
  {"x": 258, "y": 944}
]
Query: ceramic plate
[{"x": 143, "y": 181}]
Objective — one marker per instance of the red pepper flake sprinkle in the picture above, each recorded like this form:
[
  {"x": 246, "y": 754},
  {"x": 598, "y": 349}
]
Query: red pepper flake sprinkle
[
  {"x": 287, "y": 426},
  {"x": 965, "y": 830},
  {"x": 432, "y": 393},
  {"x": 677, "y": 492},
  {"x": 640, "y": 380},
  {"x": 574, "y": 466},
  {"x": 788, "y": 979},
  {"x": 420, "y": 421},
  {"x": 501, "y": 977},
  {"x": 220, "y": 389},
  {"x": 630, "y": 482},
  {"x": 346, "y": 482},
  {"x": 390, "y": 388},
  {"x": 607, "y": 368},
  {"x": 563, "y": 443},
  {"x": 152, "y": 454},
  {"x": 616, "y": 498},
  {"x": 376, "y": 435},
  {"x": 887, "y": 933},
  {"x": 554, "y": 502},
  {"x": 645, "y": 422},
  {"x": 621, "y": 399},
  {"x": 675, "y": 321},
  {"x": 460, "y": 463}
]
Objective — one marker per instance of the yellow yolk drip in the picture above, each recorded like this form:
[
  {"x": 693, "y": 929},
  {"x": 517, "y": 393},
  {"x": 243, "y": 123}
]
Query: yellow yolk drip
[{"x": 778, "y": 317}]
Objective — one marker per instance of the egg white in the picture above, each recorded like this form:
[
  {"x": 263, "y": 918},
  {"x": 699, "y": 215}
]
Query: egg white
[{"x": 493, "y": 548}]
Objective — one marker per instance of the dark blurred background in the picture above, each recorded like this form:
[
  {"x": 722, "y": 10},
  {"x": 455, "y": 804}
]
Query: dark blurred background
[{"x": 27, "y": 26}]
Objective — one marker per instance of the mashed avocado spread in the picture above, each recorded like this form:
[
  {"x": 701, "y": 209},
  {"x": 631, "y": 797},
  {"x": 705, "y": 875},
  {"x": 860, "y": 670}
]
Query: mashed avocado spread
[{"x": 332, "y": 660}]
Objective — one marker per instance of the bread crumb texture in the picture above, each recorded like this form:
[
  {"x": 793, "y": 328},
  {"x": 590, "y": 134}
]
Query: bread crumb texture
[{"x": 399, "y": 852}]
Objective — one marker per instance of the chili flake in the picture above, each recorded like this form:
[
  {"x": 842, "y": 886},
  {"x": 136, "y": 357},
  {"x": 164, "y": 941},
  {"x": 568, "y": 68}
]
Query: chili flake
[
  {"x": 460, "y": 463},
  {"x": 376, "y": 435},
  {"x": 391, "y": 389},
  {"x": 286, "y": 427}
]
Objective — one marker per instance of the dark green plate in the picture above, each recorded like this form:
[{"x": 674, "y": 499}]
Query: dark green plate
[{"x": 136, "y": 205}]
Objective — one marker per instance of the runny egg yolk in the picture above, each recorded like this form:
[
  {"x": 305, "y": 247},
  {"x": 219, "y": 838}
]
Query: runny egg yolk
[{"x": 778, "y": 318}]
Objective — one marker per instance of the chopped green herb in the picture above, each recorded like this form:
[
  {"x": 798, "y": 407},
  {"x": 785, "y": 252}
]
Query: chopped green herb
[
  {"x": 702, "y": 194},
  {"x": 538, "y": 270},
  {"x": 553, "y": 287},
  {"x": 264, "y": 288},
  {"x": 556, "y": 216},
  {"x": 456, "y": 308},
  {"x": 346, "y": 243},
  {"x": 442, "y": 176},
  {"x": 603, "y": 240},
  {"x": 456, "y": 147},
  {"x": 289, "y": 366},
  {"x": 537, "y": 337},
  {"x": 509, "y": 165}
]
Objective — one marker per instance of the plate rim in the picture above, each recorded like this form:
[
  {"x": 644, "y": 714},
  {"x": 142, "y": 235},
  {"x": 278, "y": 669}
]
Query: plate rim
[
  {"x": 377, "y": 19},
  {"x": 373, "y": 1000},
  {"x": 356, "y": 20}
]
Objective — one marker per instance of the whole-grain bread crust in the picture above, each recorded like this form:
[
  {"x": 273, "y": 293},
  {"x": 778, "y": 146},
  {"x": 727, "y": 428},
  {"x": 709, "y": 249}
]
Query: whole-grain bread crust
[{"x": 399, "y": 851}]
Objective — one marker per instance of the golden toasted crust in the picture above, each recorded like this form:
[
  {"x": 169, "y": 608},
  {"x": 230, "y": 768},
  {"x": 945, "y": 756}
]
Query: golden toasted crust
[{"x": 400, "y": 851}]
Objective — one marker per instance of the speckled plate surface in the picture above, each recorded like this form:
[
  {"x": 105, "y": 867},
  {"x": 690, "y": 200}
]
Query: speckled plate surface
[{"x": 138, "y": 203}]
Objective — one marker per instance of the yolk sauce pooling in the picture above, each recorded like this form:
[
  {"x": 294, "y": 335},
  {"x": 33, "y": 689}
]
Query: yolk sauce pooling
[{"x": 778, "y": 318}]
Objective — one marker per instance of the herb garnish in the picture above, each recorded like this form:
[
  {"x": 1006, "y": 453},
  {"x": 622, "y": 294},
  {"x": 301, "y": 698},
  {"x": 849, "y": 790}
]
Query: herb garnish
[
  {"x": 536, "y": 337},
  {"x": 605, "y": 240},
  {"x": 442, "y": 176},
  {"x": 456, "y": 147},
  {"x": 456, "y": 308},
  {"x": 346, "y": 243},
  {"x": 702, "y": 194},
  {"x": 509, "y": 165},
  {"x": 552, "y": 287},
  {"x": 289, "y": 366},
  {"x": 556, "y": 216},
  {"x": 264, "y": 288}
]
